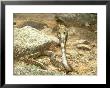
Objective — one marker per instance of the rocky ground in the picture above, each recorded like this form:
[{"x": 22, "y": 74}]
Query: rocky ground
[{"x": 81, "y": 47}]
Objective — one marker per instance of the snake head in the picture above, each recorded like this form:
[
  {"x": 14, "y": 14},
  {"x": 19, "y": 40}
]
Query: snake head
[{"x": 62, "y": 34}]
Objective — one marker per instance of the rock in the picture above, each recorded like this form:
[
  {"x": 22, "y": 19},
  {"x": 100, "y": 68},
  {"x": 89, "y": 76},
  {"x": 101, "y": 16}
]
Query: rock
[
  {"x": 21, "y": 68},
  {"x": 74, "y": 54},
  {"x": 47, "y": 31},
  {"x": 82, "y": 42},
  {"x": 29, "y": 40},
  {"x": 34, "y": 24},
  {"x": 83, "y": 47},
  {"x": 77, "y": 19}
]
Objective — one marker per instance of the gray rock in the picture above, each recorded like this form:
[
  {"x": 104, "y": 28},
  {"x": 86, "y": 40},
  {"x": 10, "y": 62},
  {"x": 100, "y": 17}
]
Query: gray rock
[
  {"x": 81, "y": 41},
  {"x": 29, "y": 40},
  {"x": 83, "y": 47},
  {"x": 85, "y": 20},
  {"x": 24, "y": 69},
  {"x": 34, "y": 24}
]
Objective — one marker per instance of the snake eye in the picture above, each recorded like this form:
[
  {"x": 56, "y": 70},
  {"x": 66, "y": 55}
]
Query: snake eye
[{"x": 63, "y": 32}]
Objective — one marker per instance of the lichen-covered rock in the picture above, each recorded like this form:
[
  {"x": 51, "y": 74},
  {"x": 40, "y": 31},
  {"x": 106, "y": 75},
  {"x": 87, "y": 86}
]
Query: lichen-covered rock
[
  {"x": 81, "y": 41},
  {"x": 83, "y": 47},
  {"x": 21, "y": 68},
  {"x": 47, "y": 30},
  {"x": 34, "y": 24},
  {"x": 29, "y": 40},
  {"x": 88, "y": 20}
]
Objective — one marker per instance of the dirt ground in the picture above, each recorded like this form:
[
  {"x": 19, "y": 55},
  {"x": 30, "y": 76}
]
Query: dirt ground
[{"x": 81, "y": 49}]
